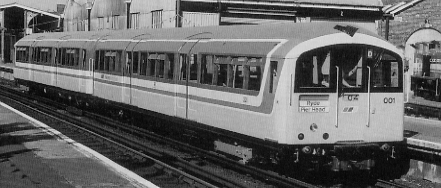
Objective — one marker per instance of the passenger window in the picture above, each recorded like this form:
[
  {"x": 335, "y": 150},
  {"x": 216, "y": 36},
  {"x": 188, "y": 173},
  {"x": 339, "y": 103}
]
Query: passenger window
[
  {"x": 222, "y": 75},
  {"x": 225, "y": 74},
  {"x": 59, "y": 56},
  {"x": 69, "y": 57},
  {"x": 169, "y": 66},
  {"x": 144, "y": 60},
  {"x": 45, "y": 55},
  {"x": 255, "y": 78},
  {"x": 109, "y": 58},
  {"x": 207, "y": 69},
  {"x": 22, "y": 54},
  {"x": 183, "y": 67},
  {"x": 238, "y": 76},
  {"x": 233, "y": 72},
  {"x": 84, "y": 59},
  {"x": 35, "y": 54},
  {"x": 101, "y": 60},
  {"x": 135, "y": 62},
  {"x": 159, "y": 69},
  {"x": 119, "y": 59},
  {"x": 193, "y": 68},
  {"x": 151, "y": 64},
  {"x": 273, "y": 75},
  {"x": 55, "y": 52},
  {"x": 112, "y": 61},
  {"x": 128, "y": 63}
]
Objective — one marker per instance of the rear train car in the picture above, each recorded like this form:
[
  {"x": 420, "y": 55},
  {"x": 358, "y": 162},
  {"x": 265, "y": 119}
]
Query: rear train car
[{"x": 299, "y": 95}]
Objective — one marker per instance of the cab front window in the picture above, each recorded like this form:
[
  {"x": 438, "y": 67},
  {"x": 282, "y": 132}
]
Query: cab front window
[{"x": 348, "y": 69}]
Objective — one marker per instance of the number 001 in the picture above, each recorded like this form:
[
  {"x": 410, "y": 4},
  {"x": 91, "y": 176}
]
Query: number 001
[{"x": 389, "y": 100}]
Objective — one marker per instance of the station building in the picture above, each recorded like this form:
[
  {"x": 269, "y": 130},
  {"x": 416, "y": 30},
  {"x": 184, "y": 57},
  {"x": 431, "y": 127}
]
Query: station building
[
  {"x": 138, "y": 14},
  {"x": 23, "y": 17},
  {"x": 417, "y": 30}
]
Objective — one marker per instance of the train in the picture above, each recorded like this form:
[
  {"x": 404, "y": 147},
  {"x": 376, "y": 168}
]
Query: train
[
  {"x": 314, "y": 96},
  {"x": 426, "y": 78}
]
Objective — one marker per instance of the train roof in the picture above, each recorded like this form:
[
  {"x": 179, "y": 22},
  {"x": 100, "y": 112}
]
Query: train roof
[
  {"x": 264, "y": 38},
  {"x": 297, "y": 31}
]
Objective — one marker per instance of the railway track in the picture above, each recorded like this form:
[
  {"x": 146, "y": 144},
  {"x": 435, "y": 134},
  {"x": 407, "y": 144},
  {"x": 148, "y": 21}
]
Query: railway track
[
  {"x": 145, "y": 152},
  {"x": 103, "y": 141},
  {"x": 149, "y": 155},
  {"x": 420, "y": 110},
  {"x": 389, "y": 184}
]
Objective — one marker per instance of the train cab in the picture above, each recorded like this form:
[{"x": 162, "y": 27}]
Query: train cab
[{"x": 348, "y": 96}]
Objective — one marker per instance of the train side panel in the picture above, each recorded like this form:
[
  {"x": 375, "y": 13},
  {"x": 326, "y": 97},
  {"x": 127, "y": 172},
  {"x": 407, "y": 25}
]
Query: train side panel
[
  {"x": 154, "y": 96},
  {"x": 23, "y": 71},
  {"x": 75, "y": 80},
  {"x": 44, "y": 74}
]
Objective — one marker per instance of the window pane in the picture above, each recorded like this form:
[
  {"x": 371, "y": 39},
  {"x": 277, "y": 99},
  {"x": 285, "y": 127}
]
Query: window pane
[
  {"x": 207, "y": 68},
  {"x": 385, "y": 72},
  {"x": 350, "y": 62},
  {"x": 84, "y": 59},
  {"x": 151, "y": 67},
  {"x": 222, "y": 75},
  {"x": 118, "y": 62},
  {"x": 135, "y": 62},
  {"x": 193, "y": 68},
  {"x": 169, "y": 66},
  {"x": 238, "y": 76},
  {"x": 160, "y": 68},
  {"x": 255, "y": 78},
  {"x": 143, "y": 68},
  {"x": 183, "y": 67},
  {"x": 313, "y": 69}
]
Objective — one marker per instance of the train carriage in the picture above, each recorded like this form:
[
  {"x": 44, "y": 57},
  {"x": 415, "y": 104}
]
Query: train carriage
[{"x": 298, "y": 92}]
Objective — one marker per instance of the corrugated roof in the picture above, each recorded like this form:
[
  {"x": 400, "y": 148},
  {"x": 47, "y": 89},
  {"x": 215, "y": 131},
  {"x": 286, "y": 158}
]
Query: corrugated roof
[{"x": 398, "y": 7}]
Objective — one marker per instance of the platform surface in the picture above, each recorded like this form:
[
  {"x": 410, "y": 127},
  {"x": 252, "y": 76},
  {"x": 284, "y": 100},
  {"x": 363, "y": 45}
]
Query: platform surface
[
  {"x": 428, "y": 133},
  {"x": 34, "y": 155}
]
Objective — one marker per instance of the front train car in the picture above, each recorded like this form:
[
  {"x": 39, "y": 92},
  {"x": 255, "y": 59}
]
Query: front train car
[
  {"x": 314, "y": 95},
  {"x": 344, "y": 96}
]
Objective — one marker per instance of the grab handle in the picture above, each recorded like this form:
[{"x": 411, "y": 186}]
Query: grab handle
[{"x": 338, "y": 96}]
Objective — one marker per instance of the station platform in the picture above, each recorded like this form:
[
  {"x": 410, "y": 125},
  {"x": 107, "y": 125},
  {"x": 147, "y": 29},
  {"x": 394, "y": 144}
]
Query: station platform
[
  {"x": 35, "y": 155},
  {"x": 427, "y": 137}
]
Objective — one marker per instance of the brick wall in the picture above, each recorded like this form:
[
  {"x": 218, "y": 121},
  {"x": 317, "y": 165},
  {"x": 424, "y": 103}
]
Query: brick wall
[{"x": 411, "y": 20}]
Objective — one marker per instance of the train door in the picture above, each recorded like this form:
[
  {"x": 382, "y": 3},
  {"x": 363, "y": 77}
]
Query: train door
[
  {"x": 33, "y": 52},
  {"x": 386, "y": 105},
  {"x": 181, "y": 86},
  {"x": 187, "y": 80},
  {"x": 127, "y": 77},
  {"x": 89, "y": 63},
  {"x": 88, "y": 60},
  {"x": 352, "y": 99},
  {"x": 332, "y": 95}
]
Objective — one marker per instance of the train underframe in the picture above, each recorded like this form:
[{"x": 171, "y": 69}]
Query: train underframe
[{"x": 285, "y": 159}]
